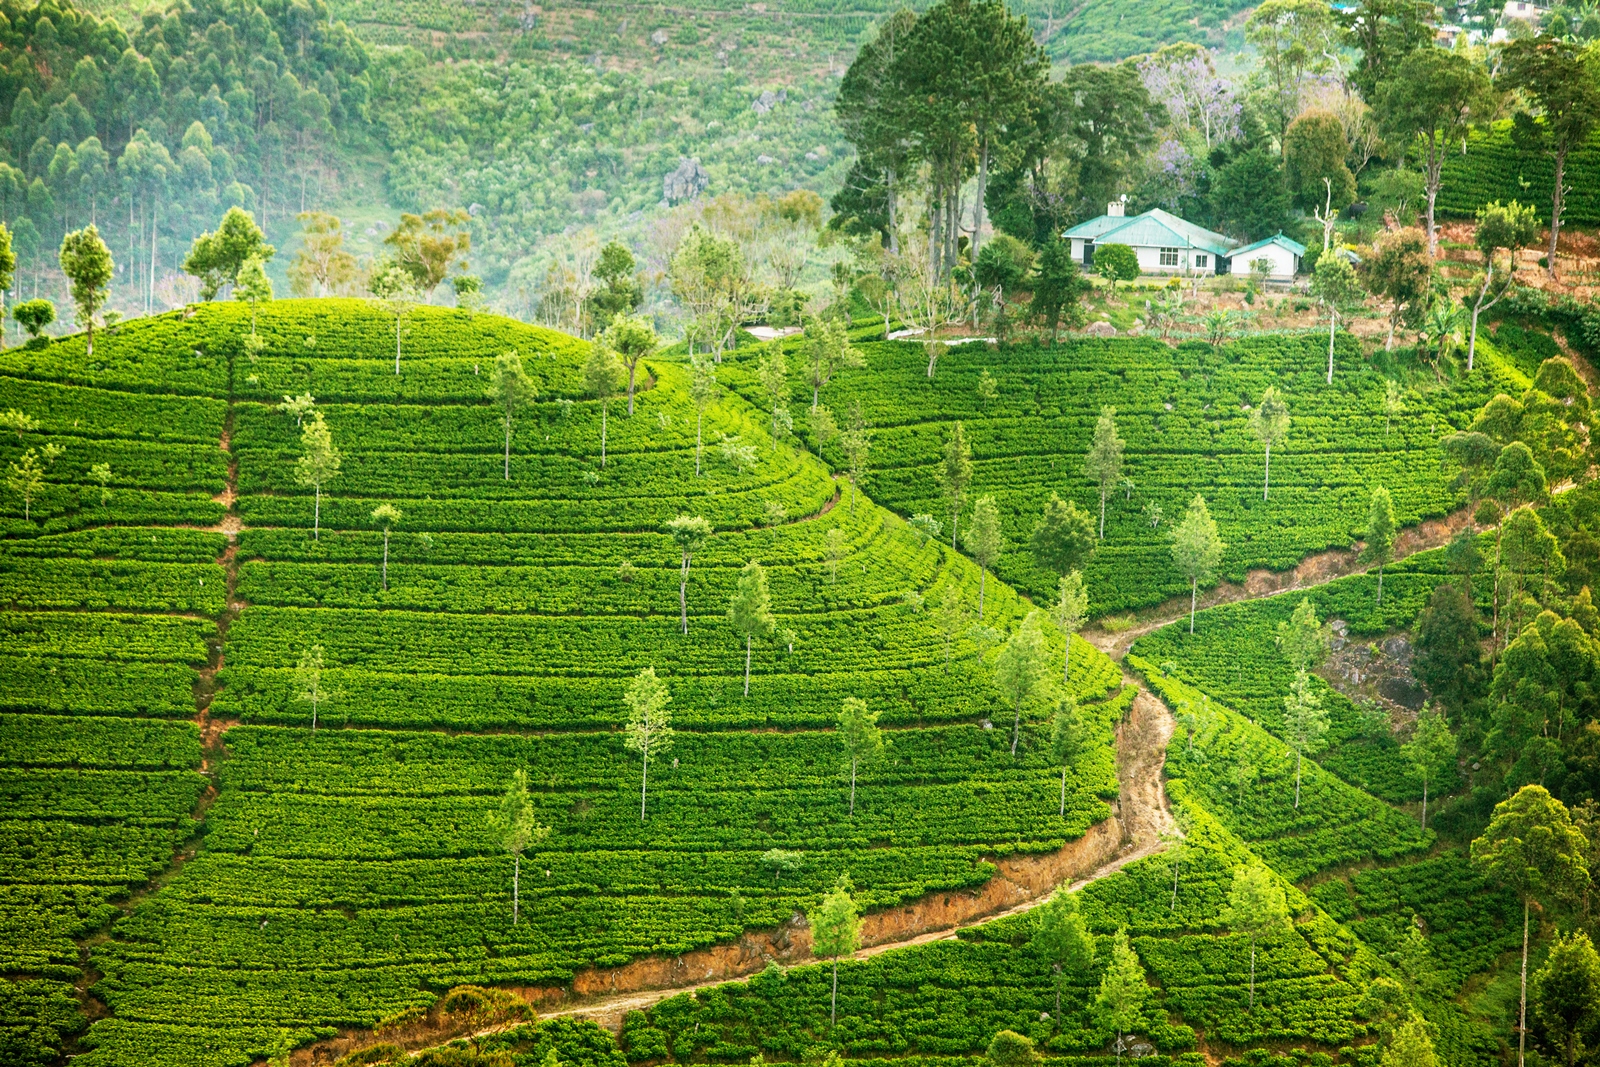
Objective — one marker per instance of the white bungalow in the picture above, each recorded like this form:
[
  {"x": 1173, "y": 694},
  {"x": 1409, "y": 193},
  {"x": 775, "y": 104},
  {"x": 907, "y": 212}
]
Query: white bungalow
[
  {"x": 1281, "y": 254},
  {"x": 1164, "y": 243}
]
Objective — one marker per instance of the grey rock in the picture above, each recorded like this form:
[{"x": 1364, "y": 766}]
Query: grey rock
[{"x": 686, "y": 183}]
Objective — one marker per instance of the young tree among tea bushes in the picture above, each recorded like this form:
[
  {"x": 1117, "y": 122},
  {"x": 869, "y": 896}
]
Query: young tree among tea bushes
[
  {"x": 1566, "y": 999},
  {"x": 1533, "y": 849},
  {"x": 955, "y": 473},
  {"x": 514, "y": 820},
  {"x": 1269, "y": 421},
  {"x": 1063, "y": 939},
  {"x": 386, "y": 516},
  {"x": 392, "y": 287},
  {"x": 1119, "y": 1002},
  {"x": 307, "y": 681},
  {"x": 632, "y": 338},
  {"x": 860, "y": 736},
  {"x": 648, "y": 730},
  {"x": 1104, "y": 461},
  {"x": 86, "y": 261},
  {"x": 835, "y": 932},
  {"x": 750, "y": 611},
  {"x": 1336, "y": 287},
  {"x": 511, "y": 388},
  {"x": 318, "y": 464},
  {"x": 1431, "y": 751},
  {"x": 1197, "y": 549},
  {"x": 1068, "y": 738},
  {"x": 1019, "y": 670},
  {"x": 1380, "y": 533},
  {"x": 1064, "y": 536},
  {"x": 602, "y": 377},
  {"x": 1069, "y": 614},
  {"x": 1256, "y": 907},
  {"x": 688, "y": 532},
  {"x": 1305, "y": 723},
  {"x": 703, "y": 392},
  {"x": 983, "y": 540}
]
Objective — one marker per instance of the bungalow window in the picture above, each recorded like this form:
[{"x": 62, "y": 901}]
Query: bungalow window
[
  {"x": 1169, "y": 257},
  {"x": 1201, "y": 261}
]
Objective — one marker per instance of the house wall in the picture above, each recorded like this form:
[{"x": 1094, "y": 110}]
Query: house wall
[
  {"x": 1284, "y": 263},
  {"x": 1150, "y": 261}
]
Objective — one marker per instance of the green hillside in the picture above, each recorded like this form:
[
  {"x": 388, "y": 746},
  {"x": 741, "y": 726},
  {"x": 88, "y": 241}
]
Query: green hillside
[{"x": 349, "y": 872}]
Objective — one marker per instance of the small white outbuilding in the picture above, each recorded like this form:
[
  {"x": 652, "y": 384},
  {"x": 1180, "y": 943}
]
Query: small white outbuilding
[{"x": 1281, "y": 254}]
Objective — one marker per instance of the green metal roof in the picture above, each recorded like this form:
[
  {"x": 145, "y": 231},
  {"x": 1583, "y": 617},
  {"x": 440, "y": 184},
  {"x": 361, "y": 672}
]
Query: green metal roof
[
  {"x": 1153, "y": 229},
  {"x": 1276, "y": 239}
]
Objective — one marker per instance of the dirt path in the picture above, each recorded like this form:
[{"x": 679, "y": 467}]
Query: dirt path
[
  {"x": 1315, "y": 570},
  {"x": 1140, "y": 820}
]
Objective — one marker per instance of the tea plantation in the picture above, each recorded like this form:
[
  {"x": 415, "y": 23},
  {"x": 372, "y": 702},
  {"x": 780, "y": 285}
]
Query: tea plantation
[
  {"x": 1184, "y": 414},
  {"x": 329, "y": 878}
]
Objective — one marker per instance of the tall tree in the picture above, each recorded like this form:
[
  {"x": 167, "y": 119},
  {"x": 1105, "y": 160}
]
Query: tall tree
[
  {"x": 1064, "y": 536},
  {"x": 8, "y": 274},
  {"x": 1269, "y": 421},
  {"x": 983, "y": 539},
  {"x": 1301, "y": 639},
  {"x": 429, "y": 245},
  {"x": 856, "y": 444},
  {"x": 688, "y": 532},
  {"x": 1380, "y": 533},
  {"x": 1295, "y": 40},
  {"x": 386, "y": 516},
  {"x": 1305, "y": 723},
  {"x": 1532, "y": 848},
  {"x": 955, "y": 473},
  {"x": 1433, "y": 96},
  {"x": 1062, "y": 938},
  {"x": 835, "y": 932},
  {"x": 1103, "y": 464},
  {"x": 1058, "y": 289},
  {"x": 648, "y": 730},
  {"x": 860, "y": 736},
  {"x": 1562, "y": 78},
  {"x": 1385, "y": 32},
  {"x": 1510, "y": 228},
  {"x": 518, "y": 826},
  {"x": 1411, "y": 1046},
  {"x": 318, "y": 463},
  {"x": 1019, "y": 670},
  {"x": 1449, "y": 656},
  {"x": 1068, "y": 739},
  {"x": 632, "y": 338},
  {"x": 602, "y": 377},
  {"x": 703, "y": 391},
  {"x": 828, "y": 351},
  {"x": 1256, "y": 907},
  {"x": 873, "y": 118},
  {"x": 1430, "y": 751},
  {"x": 1069, "y": 613},
  {"x": 1119, "y": 1002},
  {"x": 253, "y": 286},
  {"x": 1566, "y": 999},
  {"x": 510, "y": 387},
  {"x": 322, "y": 265},
  {"x": 774, "y": 374},
  {"x": 750, "y": 611},
  {"x": 86, "y": 261},
  {"x": 1334, "y": 284},
  {"x": 394, "y": 289},
  {"x": 307, "y": 682},
  {"x": 217, "y": 257},
  {"x": 619, "y": 292},
  {"x": 1197, "y": 549}
]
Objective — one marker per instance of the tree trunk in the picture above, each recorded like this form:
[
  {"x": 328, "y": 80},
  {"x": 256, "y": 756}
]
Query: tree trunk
[
  {"x": 313, "y": 714},
  {"x": 1252, "y": 974},
  {"x": 1266, "y": 476},
  {"x": 644, "y": 781},
  {"x": 955, "y": 515},
  {"x": 397, "y": 317},
  {"x": 746, "y": 664},
  {"x": 386, "y": 561},
  {"x": 1380, "y": 581},
  {"x": 1058, "y": 994},
  {"x": 631, "y": 368},
  {"x": 1016, "y": 727},
  {"x": 814, "y": 388},
  {"x": 1102, "y": 510},
  {"x": 1555, "y": 207},
  {"x": 683, "y": 593},
  {"x": 852, "y": 786},
  {"x": 316, "y": 516},
  {"x": 894, "y": 230},
  {"x": 1063, "y": 814},
  {"x": 1194, "y": 588},
  {"x": 833, "y": 1012},
  {"x": 89, "y": 340},
  {"x": 983, "y": 573},
  {"x": 1522, "y": 999},
  {"x": 1432, "y": 179},
  {"x": 1333, "y": 324},
  {"x": 508, "y": 448},
  {"x": 1066, "y": 662},
  {"x": 604, "y": 406},
  {"x": 516, "y": 886},
  {"x": 977, "y": 207},
  {"x": 1297, "y": 779},
  {"x": 699, "y": 418},
  {"x": 1424, "y": 804}
]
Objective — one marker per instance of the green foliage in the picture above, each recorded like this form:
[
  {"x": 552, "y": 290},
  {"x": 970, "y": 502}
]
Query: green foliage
[{"x": 1116, "y": 263}]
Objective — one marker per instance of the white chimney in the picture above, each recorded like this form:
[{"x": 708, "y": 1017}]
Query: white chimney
[{"x": 1116, "y": 209}]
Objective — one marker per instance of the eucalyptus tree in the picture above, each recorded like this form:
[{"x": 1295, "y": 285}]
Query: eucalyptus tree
[
  {"x": 648, "y": 729},
  {"x": 688, "y": 532},
  {"x": 860, "y": 736},
  {"x": 510, "y": 387}
]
